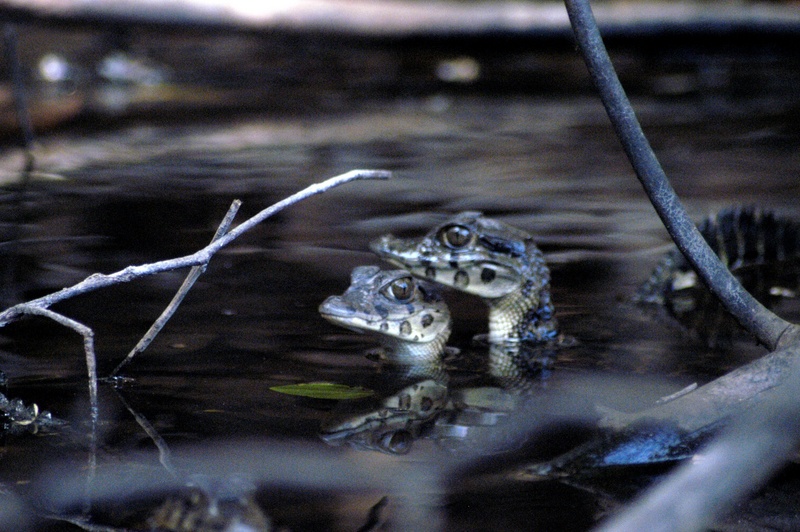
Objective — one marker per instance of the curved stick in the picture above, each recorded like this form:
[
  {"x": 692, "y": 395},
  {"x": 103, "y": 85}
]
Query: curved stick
[{"x": 766, "y": 326}]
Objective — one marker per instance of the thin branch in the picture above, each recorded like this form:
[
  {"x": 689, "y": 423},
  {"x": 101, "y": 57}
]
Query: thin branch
[
  {"x": 10, "y": 42},
  {"x": 39, "y": 307},
  {"x": 766, "y": 326},
  {"x": 98, "y": 280},
  {"x": 193, "y": 275},
  {"x": 91, "y": 368}
]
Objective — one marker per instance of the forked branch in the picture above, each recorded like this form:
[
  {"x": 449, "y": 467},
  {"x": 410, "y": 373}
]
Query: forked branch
[
  {"x": 200, "y": 257},
  {"x": 198, "y": 260},
  {"x": 193, "y": 275}
]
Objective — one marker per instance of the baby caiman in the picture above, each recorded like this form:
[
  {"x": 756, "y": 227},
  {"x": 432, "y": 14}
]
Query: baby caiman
[
  {"x": 410, "y": 317},
  {"x": 487, "y": 258},
  {"x": 414, "y": 324}
]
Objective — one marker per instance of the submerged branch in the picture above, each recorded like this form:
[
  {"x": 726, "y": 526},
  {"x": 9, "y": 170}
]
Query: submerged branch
[{"x": 754, "y": 317}]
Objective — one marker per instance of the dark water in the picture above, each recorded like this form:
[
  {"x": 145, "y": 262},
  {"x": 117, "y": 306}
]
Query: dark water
[{"x": 144, "y": 192}]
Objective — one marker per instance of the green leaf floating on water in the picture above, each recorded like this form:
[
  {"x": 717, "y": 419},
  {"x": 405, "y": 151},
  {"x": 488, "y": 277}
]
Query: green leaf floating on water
[{"x": 324, "y": 390}]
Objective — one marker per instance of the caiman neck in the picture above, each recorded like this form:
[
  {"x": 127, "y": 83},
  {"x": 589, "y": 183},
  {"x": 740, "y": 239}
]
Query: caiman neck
[
  {"x": 406, "y": 352},
  {"x": 505, "y": 317},
  {"x": 523, "y": 315}
]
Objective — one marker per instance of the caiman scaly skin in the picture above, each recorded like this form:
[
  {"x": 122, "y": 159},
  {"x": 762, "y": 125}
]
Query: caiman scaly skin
[
  {"x": 409, "y": 315},
  {"x": 413, "y": 323},
  {"x": 761, "y": 249},
  {"x": 489, "y": 259}
]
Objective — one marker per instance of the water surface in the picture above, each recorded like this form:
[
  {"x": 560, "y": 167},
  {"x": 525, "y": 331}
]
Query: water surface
[{"x": 547, "y": 164}]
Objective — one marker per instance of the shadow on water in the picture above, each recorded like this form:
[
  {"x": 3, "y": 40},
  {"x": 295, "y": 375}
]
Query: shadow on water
[{"x": 544, "y": 162}]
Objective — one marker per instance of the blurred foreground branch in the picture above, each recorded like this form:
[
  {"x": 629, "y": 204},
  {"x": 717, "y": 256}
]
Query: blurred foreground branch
[{"x": 734, "y": 466}]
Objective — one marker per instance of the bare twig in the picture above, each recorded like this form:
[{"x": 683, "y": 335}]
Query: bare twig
[
  {"x": 91, "y": 368},
  {"x": 98, "y": 280},
  {"x": 88, "y": 346},
  {"x": 754, "y": 317},
  {"x": 194, "y": 274},
  {"x": 199, "y": 259}
]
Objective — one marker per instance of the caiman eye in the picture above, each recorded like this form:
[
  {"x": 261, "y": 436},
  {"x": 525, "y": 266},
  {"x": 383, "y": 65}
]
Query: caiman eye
[
  {"x": 401, "y": 289},
  {"x": 455, "y": 236}
]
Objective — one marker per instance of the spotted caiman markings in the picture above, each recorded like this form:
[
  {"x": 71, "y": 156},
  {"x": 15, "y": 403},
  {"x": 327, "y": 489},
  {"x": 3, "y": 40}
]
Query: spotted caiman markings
[
  {"x": 514, "y": 279},
  {"x": 412, "y": 319}
]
